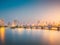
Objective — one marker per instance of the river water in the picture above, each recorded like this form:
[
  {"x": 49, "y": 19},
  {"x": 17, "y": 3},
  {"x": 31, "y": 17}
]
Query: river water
[{"x": 20, "y": 36}]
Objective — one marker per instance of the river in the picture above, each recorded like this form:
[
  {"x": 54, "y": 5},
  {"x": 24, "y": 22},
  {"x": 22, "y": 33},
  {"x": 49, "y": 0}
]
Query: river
[{"x": 20, "y": 36}]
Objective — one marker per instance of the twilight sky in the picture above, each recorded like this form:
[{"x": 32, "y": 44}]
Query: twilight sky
[{"x": 30, "y": 10}]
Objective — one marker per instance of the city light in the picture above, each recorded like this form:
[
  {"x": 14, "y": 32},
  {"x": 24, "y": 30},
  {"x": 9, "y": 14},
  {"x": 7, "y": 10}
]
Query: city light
[{"x": 38, "y": 25}]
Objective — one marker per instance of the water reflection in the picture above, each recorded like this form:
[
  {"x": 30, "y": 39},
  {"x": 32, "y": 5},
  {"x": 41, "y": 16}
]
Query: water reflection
[
  {"x": 2, "y": 35},
  {"x": 54, "y": 37},
  {"x": 27, "y": 36},
  {"x": 18, "y": 30},
  {"x": 51, "y": 37}
]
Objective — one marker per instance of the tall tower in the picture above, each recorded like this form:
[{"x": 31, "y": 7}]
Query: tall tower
[{"x": 14, "y": 23}]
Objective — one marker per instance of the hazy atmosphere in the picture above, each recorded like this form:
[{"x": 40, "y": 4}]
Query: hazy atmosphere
[
  {"x": 30, "y": 10},
  {"x": 29, "y": 22}
]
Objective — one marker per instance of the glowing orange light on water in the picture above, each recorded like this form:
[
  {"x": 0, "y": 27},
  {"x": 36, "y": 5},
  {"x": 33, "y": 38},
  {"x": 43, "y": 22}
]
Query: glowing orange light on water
[{"x": 2, "y": 34}]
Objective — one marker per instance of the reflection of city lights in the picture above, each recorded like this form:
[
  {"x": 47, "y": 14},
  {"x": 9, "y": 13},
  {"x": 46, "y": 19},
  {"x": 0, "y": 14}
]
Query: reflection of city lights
[
  {"x": 2, "y": 33},
  {"x": 20, "y": 30}
]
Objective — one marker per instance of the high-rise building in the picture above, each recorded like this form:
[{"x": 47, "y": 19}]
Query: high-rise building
[
  {"x": 2, "y": 22},
  {"x": 14, "y": 23}
]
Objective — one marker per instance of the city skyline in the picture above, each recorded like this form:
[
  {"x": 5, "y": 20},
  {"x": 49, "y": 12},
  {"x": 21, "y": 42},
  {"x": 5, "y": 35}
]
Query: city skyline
[
  {"x": 30, "y": 11},
  {"x": 29, "y": 22},
  {"x": 17, "y": 22}
]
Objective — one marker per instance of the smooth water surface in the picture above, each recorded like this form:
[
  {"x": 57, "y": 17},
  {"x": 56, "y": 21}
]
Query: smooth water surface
[{"x": 29, "y": 37}]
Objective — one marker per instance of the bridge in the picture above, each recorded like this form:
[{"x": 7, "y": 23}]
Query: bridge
[{"x": 49, "y": 27}]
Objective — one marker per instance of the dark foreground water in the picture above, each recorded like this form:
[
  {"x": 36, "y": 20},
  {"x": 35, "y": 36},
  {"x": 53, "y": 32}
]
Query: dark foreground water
[{"x": 29, "y": 37}]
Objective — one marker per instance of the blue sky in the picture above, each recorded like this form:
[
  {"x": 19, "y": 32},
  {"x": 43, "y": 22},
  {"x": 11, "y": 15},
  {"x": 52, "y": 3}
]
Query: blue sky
[{"x": 29, "y": 10}]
